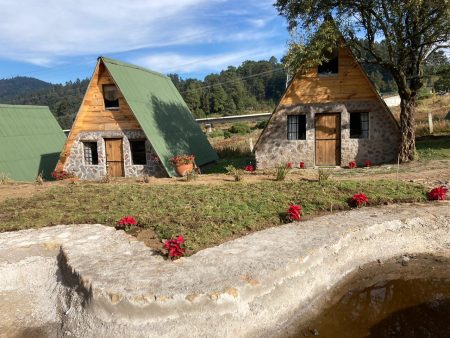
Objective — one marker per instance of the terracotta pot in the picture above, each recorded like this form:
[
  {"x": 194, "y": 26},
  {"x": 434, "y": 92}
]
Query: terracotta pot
[{"x": 183, "y": 169}]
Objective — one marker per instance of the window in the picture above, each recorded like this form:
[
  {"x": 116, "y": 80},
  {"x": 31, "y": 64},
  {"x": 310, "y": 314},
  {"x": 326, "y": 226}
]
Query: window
[
  {"x": 138, "y": 152},
  {"x": 90, "y": 153},
  {"x": 359, "y": 125},
  {"x": 296, "y": 127},
  {"x": 331, "y": 66},
  {"x": 111, "y": 96}
]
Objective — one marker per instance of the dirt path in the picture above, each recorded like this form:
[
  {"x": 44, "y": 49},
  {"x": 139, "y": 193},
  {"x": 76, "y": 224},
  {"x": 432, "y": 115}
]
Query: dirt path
[{"x": 429, "y": 173}]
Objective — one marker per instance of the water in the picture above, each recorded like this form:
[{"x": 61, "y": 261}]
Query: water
[{"x": 387, "y": 300}]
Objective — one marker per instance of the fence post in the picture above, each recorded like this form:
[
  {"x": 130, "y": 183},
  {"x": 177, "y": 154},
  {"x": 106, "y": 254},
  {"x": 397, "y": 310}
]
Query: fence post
[{"x": 430, "y": 122}]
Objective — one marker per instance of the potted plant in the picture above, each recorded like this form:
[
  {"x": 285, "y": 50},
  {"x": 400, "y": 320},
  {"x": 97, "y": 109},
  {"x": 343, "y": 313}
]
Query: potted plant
[{"x": 183, "y": 163}]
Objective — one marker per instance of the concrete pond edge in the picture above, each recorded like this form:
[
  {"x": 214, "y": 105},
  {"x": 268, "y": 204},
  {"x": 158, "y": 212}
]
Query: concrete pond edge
[{"x": 99, "y": 281}]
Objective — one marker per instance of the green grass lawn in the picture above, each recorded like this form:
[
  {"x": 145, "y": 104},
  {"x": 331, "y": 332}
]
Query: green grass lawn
[
  {"x": 433, "y": 148},
  {"x": 205, "y": 214}
]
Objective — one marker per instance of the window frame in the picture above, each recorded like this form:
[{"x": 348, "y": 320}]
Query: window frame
[
  {"x": 132, "y": 154},
  {"x": 362, "y": 130},
  {"x": 93, "y": 149},
  {"x": 104, "y": 98},
  {"x": 299, "y": 133},
  {"x": 333, "y": 56}
]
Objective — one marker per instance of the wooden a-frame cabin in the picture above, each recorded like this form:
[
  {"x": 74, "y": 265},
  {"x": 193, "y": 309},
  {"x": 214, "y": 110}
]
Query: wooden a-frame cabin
[
  {"x": 329, "y": 116},
  {"x": 131, "y": 122}
]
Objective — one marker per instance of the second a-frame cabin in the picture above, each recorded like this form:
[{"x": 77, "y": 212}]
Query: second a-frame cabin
[
  {"x": 131, "y": 122},
  {"x": 329, "y": 116}
]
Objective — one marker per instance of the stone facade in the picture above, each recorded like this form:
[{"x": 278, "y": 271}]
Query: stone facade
[
  {"x": 381, "y": 146},
  {"x": 75, "y": 163}
]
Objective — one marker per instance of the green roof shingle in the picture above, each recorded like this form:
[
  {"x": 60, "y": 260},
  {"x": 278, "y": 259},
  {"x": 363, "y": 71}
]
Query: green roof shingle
[
  {"x": 30, "y": 141},
  {"x": 162, "y": 113}
]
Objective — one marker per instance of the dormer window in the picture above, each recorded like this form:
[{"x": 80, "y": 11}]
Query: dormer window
[
  {"x": 111, "y": 97},
  {"x": 330, "y": 67}
]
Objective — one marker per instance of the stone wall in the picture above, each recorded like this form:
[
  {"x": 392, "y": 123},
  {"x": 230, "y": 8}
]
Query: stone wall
[
  {"x": 75, "y": 163},
  {"x": 381, "y": 147}
]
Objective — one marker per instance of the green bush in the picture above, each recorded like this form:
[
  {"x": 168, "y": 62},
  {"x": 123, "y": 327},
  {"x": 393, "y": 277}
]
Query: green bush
[
  {"x": 226, "y": 134},
  {"x": 261, "y": 124},
  {"x": 216, "y": 133},
  {"x": 240, "y": 128}
]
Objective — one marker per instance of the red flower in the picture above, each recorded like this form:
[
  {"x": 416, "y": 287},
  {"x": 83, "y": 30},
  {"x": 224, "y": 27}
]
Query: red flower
[
  {"x": 367, "y": 163},
  {"x": 438, "y": 193},
  {"x": 352, "y": 164},
  {"x": 294, "y": 212},
  {"x": 249, "y": 168},
  {"x": 358, "y": 200},
  {"x": 175, "y": 247},
  {"x": 289, "y": 165},
  {"x": 126, "y": 222},
  {"x": 302, "y": 165}
]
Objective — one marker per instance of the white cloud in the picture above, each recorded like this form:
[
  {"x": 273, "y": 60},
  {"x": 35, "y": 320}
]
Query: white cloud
[
  {"x": 35, "y": 30},
  {"x": 178, "y": 63}
]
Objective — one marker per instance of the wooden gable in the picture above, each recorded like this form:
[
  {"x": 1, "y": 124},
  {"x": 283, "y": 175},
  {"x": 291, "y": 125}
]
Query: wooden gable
[
  {"x": 92, "y": 115},
  {"x": 350, "y": 83}
]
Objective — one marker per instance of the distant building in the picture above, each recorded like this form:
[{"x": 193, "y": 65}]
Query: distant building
[
  {"x": 131, "y": 122},
  {"x": 30, "y": 142},
  {"x": 329, "y": 116}
]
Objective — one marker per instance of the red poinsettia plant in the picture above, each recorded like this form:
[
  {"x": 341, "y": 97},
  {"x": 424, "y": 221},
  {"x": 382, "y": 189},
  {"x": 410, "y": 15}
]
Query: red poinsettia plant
[
  {"x": 438, "y": 194},
  {"x": 294, "y": 212},
  {"x": 358, "y": 200},
  {"x": 289, "y": 165},
  {"x": 126, "y": 222},
  {"x": 61, "y": 175},
  {"x": 352, "y": 164},
  {"x": 367, "y": 163},
  {"x": 302, "y": 165},
  {"x": 182, "y": 159},
  {"x": 175, "y": 248},
  {"x": 249, "y": 168}
]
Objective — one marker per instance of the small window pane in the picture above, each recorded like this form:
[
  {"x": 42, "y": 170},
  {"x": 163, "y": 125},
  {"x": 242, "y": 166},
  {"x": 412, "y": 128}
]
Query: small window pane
[
  {"x": 90, "y": 153},
  {"x": 111, "y": 96},
  {"x": 296, "y": 127},
  {"x": 359, "y": 125},
  {"x": 331, "y": 66},
  {"x": 138, "y": 152}
]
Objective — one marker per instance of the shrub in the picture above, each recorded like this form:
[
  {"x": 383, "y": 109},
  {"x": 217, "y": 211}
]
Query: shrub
[
  {"x": 126, "y": 222},
  {"x": 438, "y": 194},
  {"x": 233, "y": 171},
  {"x": 301, "y": 165},
  {"x": 358, "y": 200},
  {"x": 249, "y": 167},
  {"x": 191, "y": 175},
  {"x": 281, "y": 171},
  {"x": 226, "y": 134},
  {"x": 216, "y": 133},
  {"x": 324, "y": 175},
  {"x": 294, "y": 212},
  {"x": 4, "y": 179},
  {"x": 289, "y": 165},
  {"x": 261, "y": 124},
  {"x": 240, "y": 128},
  {"x": 352, "y": 165},
  {"x": 174, "y": 248},
  {"x": 367, "y": 163}
]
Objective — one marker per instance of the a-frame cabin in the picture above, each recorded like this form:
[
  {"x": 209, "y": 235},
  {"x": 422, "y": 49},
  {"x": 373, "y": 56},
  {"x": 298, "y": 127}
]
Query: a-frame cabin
[
  {"x": 131, "y": 122},
  {"x": 329, "y": 116}
]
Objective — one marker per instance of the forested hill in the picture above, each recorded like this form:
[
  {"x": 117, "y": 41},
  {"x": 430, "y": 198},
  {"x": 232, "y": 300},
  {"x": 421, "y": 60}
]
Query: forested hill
[{"x": 254, "y": 86}]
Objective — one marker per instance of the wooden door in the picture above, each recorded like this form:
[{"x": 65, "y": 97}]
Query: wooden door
[
  {"x": 114, "y": 157},
  {"x": 328, "y": 139}
]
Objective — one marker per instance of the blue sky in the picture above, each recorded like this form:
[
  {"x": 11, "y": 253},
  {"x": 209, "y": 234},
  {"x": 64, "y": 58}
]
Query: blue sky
[{"x": 60, "y": 40}]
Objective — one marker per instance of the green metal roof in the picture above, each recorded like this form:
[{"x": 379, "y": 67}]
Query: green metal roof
[
  {"x": 162, "y": 113},
  {"x": 30, "y": 141}
]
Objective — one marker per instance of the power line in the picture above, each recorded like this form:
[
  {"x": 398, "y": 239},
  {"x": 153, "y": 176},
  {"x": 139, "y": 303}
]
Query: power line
[{"x": 232, "y": 81}]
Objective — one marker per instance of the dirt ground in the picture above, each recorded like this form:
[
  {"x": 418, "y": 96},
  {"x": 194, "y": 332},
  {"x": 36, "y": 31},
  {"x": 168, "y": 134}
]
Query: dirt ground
[{"x": 429, "y": 173}]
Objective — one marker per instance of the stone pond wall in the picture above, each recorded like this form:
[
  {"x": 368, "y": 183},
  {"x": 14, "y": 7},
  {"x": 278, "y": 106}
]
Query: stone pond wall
[
  {"x": 382, "y": 145},
  {"x": 75, "y": 163}
]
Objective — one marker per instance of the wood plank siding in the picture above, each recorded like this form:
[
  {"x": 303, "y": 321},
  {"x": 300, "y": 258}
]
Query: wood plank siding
[{"x": 350, "y": 83}]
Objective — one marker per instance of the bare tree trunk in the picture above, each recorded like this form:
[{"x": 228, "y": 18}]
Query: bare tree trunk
[{"x": 407, "y": 127}]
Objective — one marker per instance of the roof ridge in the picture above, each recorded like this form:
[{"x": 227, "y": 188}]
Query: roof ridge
[{"x": 126, "y": 64}]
